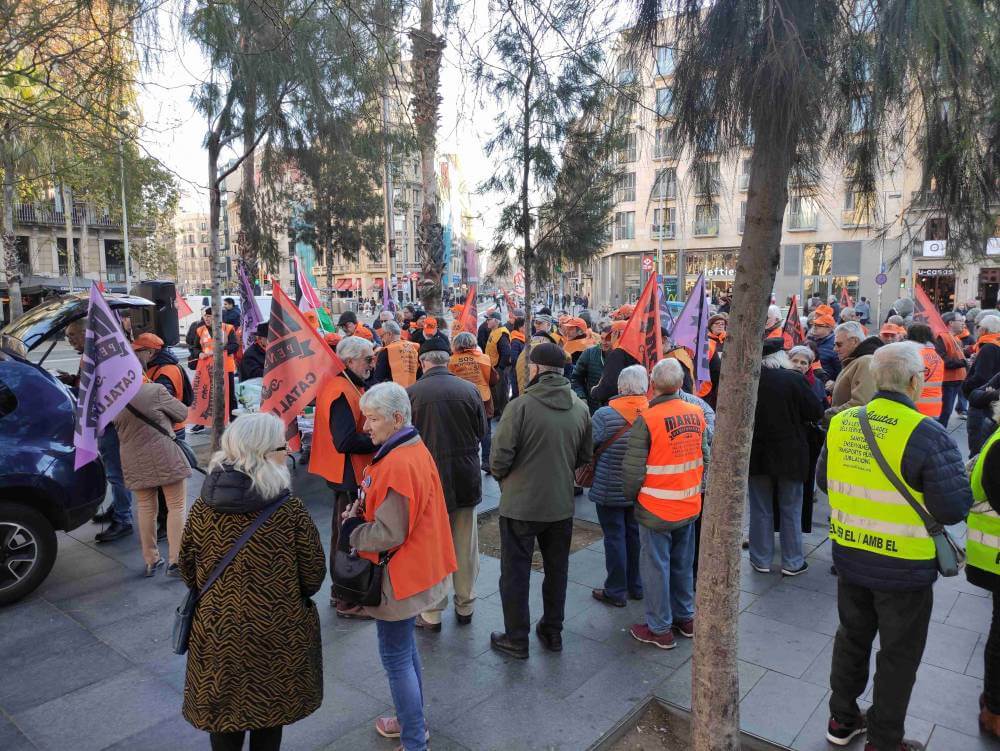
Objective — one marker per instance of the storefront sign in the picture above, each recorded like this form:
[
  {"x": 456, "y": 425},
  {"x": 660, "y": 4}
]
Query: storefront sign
[
  {"x": 935, "y": 248},
  {"x": 935, "y": 272},
  {"x": 647, "y": 264}
]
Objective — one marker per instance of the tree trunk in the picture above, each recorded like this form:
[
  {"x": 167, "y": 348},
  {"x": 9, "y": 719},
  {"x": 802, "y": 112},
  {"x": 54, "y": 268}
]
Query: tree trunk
[
  {"x": 427, "y": 50},
  {"x": 84, "y": 240},
  {"x": 328, "y": 246},
  {"x": 11, "y": 267},
  {"x": 219, "y": 380},
  {"x": 527, "y": 253},
  {"x": 715, "y": 683},
  {"x": 67, "y": 199}
]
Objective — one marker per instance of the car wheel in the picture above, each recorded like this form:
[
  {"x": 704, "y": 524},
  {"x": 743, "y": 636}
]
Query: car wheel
[{"x": 27, "y": 550}]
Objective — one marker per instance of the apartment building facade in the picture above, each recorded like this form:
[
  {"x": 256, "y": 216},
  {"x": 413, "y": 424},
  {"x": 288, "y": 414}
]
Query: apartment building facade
[{"x": 193, "y": 251}]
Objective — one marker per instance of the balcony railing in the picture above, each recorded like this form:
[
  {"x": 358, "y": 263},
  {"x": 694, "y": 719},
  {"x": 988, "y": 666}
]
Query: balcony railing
[
  {"x": 706, "y": 227},
  {"x": 799, "y": 221},
  {"x": 666, "y": 231},
  {"x": 47, "y": 215},
  {"x": 922, "y": 199},
  {"x": 741, "y": 224},
  {"x": 854, "y": 218}
]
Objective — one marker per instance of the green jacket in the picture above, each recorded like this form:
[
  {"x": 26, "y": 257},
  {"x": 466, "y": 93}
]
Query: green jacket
[
  {"x": 587, "y": 374},
  {"x": 543, "y": 436},
  {"x": 634, "y": 467}
]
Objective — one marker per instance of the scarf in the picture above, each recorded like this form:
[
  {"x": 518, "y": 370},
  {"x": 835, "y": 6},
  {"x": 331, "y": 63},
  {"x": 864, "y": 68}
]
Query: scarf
[
  {"x": 517, "y": 336},
  {"x": 399, "y": 437},
  {"x": 629, "y": 407},
  {"x": 987, "y": 339}
]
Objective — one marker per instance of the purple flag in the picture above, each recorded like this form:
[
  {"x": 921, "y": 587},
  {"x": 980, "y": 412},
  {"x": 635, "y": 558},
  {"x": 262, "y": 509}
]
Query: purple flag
[
  {"x": 666, "y": 320},
  {"x": 388, "y": 301},
  {"x": 690, "y": 329},
  {"x": 251, "y": 317},
  {"x": 110, "y": 375}
]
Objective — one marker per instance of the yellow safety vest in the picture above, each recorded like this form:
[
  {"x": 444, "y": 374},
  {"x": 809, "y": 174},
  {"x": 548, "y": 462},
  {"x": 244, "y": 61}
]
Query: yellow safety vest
[
  {"x": 866, "y": 511},
  {"x": 982, "y": 547},
  {"x": 491, "y": 344}
]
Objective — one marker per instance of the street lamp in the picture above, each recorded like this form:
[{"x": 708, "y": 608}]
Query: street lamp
[{"x": 123, "y": 116}]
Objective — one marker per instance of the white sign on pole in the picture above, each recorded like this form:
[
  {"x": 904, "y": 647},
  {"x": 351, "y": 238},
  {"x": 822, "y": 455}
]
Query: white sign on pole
[{"x": 935, "y": 248}]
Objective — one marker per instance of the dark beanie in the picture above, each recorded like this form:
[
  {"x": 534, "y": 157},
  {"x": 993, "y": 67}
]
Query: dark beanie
[
  {"x": 347, "y": 317},
  {"x": 772, "y": 345},
  {"x": 550, "y": 355},
  {"x": 436, "y": 343},
  {"x": 262, "y": 329}
]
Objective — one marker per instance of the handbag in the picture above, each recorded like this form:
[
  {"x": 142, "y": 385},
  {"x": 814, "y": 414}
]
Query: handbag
[
  {"x": 183, "y": 445},
  {"x": 184, "y": 615},
  {"x": 950, "y": 556},
  {"x": 355, "y": 579},
  {"x": 585, "y": 474}
]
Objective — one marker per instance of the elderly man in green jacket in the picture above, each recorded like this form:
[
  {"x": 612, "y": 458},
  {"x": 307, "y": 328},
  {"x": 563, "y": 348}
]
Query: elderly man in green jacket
[
  {"x": 543, "y": 436},
  {"x": 588, "y": 369}
]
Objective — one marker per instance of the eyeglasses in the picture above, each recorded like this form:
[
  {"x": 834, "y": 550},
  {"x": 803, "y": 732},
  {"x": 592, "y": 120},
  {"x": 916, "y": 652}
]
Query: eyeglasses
[
  {"x": 371, "y": 358},
  {"x": 280, "y": 448}
]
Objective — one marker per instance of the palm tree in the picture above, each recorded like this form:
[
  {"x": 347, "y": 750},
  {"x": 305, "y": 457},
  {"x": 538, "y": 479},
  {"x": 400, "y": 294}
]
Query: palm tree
[{"x": 806, "y": 83}]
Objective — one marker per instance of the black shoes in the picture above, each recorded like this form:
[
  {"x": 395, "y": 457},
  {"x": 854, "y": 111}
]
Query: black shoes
[
  {"x": 104, "y": 517},
  {"x": 463, "y": 620},
  {"x": 840, "y": 734},
  {"x": 552, "y": 642},
  {"x": 427, "y": 625},
  {"x": 601, "y": 595},
  {"x": 115, "y": 531},
  {"x": 503, "y": 643}
]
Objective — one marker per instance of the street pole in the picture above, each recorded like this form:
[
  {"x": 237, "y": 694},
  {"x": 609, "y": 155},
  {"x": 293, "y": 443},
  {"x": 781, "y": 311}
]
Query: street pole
[
  {"x": 387, "y": 189},
  {"x": 128, "y": 262}
]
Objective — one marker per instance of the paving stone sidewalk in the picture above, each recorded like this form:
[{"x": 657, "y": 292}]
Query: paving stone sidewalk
[{"x": 86, "y": 661}]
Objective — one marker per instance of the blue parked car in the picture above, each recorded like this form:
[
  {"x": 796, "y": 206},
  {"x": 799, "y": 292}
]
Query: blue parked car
[{"x": 40, "y": 492}]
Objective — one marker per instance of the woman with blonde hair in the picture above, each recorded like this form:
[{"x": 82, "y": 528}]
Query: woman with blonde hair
[{"x": 254, "y": 659}]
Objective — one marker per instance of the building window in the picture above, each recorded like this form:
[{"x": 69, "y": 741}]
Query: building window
[
  {"x": 626, "y": 69},
  {"x": 707, "y": 179},
  {"x": 625, "y": 225},
  {"x": 937, "y": 228},
  {"x": 665, "y": 185},
  {"x": 803, "y": 213},
  {"x": 664, "y": 101},
  {"x": 628, "y": 152},
  {"x": 625, "y": 190},
  {"x": 857, "y": 211},
  {"x": 860, "y": 113},
  {"x": 664, "y": 61},
  {"x": 664, "y": 223},
  {"x": 706, "y": 220},
  {"x": 744, "y": 180},
  {"x": 204, "y": 252},
  {"x": 663, "y": 147},
  {"x": 741, "y": 220}
]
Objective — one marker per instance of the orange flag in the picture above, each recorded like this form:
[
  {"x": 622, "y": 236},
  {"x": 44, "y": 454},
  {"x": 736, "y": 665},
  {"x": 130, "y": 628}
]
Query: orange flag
[
  {"x": 183, "y": 309},
  {"x": 925, "y": 312},
  {"x": 296, "y": 361},
  {"x": 468, "y": 318},
  {"x": 641, "y": 337},
  {"x": 845, "y": 298},
  {"x": 792, "y": 330},
  {"x": 200, "y": 411}
]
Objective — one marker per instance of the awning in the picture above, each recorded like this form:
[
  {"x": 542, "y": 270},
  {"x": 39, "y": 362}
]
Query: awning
[
  {"x": 343, "y": 285},
  {"x": 378, "y": 282},
  {"x": 356, "y": 285}
]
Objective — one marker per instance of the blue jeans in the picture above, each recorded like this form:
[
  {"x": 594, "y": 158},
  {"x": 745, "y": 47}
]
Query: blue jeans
[
  {"x": 979, "y": 426},
  {"x": 963, "y": 403},
  {"x": 121, "y": 498},
  {"x": 487, "y": 442},
  {"x": 762, "y": 489},
  {"x": 398, "y": 650},
  {"x": 621, "y": 551},
  {"x": 667, "y": 565},
  {"x": 950, "y": 391}
]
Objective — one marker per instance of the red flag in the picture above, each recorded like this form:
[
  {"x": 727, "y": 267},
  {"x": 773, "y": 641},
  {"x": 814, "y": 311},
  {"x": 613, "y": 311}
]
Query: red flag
[
  {"x": 641, "y": 337},
  {"x": 183, "y": 309},
  {"x": 468, "y": 318},
  {"x": 100, "y": 286},
  {"x": 792, "y": 330},
  {"x": 296, "y": 362},
  {"x": 200, "y": 411},
  {"x": 845, "y": 299},
  {"x": 925, "y": 312}
]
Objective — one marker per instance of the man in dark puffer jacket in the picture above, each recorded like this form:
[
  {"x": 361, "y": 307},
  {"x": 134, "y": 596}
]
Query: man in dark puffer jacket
[
  {"x": 588, "y": 369},
  {"x": 884, "y": 556}
]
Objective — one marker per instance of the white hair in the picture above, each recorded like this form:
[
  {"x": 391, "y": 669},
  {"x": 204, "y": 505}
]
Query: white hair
[
  {"x": 351, "y": 347},
  {"x": 386, "y": 315},
  {"x": 245, "y": 446},
  {"x": 391, "y": 327},
  {"x": 989, "y": 323},
  {"x": 465, "y": 340},
  {"x": 894, "y": 365},
  {"x": 773, "y": 311},
  {"x": 435, "y": 358},
  {"x": 848, "y": 314},
  {"x": 388, "y": 399},
  {"x": 668, "y": 376},
  {"x": 852, "y": 329},
  {"x": 801, "y": 349},
  {"x": 776, "y": 360},
  {"x": 633, "y": 381}
]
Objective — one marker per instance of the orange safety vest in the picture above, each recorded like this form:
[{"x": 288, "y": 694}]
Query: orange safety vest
[
  {"x": 775, "y": 332},
  {"x": 953, "y": 348},
  {"x": 706, "y": 388},
  {"x": 207, "y": 343},
  {"x": 577, "y": 345},
  {"x": 326, "y": 461},
  {"x": 929, "y": 401},
  {"x": 427, "y": 555},
  {"x": 671, "y": 489},
  {"x": 403, "y": 362},
  {"x": 173, "y": 372},
  {"x": 473, "y": 367}
]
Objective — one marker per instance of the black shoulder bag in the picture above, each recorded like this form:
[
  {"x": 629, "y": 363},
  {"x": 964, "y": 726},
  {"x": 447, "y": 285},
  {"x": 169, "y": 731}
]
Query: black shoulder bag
[
  {"x": 950, "y": 557},
  {"x": 184, "y": 615},
  {"x": 356, "y": 579},
  {"x": 183, "y": 445}
]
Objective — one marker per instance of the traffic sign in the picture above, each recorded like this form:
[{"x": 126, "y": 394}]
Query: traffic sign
[
  {"x": 881, "y": 279},
  {"x": 647, "y": 263},
  {"x": 414, "y": 276}
]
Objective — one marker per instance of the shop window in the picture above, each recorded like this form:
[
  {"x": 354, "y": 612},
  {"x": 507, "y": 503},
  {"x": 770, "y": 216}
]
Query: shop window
[{"x": 817, "y": 259}]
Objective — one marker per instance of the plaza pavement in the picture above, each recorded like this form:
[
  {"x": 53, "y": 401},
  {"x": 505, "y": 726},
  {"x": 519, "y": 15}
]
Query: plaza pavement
[{"x": 85, "y": 662}]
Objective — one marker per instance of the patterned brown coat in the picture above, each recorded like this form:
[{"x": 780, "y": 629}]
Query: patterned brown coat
[{"x": 254, "y": 656}]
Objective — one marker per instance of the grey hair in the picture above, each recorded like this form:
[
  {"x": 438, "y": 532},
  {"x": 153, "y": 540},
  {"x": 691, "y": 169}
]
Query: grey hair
[
  {"x": 989, "y": 324},
  {"x": 852, "y": 329},
  {"x": 391, "y": 327},
  {"x": 465, "y": 340},
  {"x": 633, "y": 381},
  {"x": 245, "y": 446},
  {"x": 668, "y": 376},
  {"x": 894, "y": 365},
  {"x": 848, "y": 314},
  {"x": 547, "y": 368},
  {"x": 773, "y": 311},
  {"x": 388, "y": 399},
  {"x": 386, "y": 315},
  {"x": 351, "y": 347},
  {"x": 776, "y": 360},
  {"x": 801, "y": 349},
  {"x": 435, "y": 358}
]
